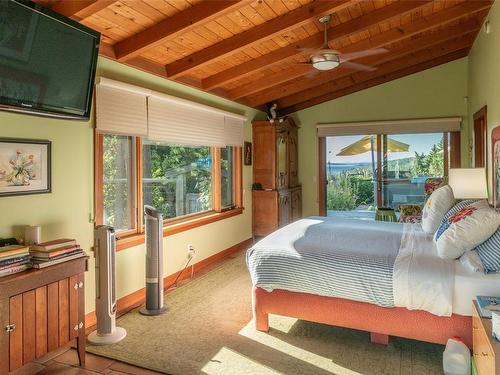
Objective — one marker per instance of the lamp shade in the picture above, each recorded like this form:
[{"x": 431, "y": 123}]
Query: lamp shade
[{"x": 468, "y": 183}]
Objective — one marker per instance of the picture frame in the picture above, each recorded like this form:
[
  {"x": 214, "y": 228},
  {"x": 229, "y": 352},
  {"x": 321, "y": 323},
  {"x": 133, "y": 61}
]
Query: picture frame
[
  {"x": 247, "y": 153},
  {"x": 495, "y": 161},
  {"x": 25, "y": 166}
]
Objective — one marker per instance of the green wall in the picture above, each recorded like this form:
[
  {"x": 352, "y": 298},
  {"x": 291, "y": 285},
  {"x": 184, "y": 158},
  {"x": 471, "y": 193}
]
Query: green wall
[
  {"x": 484, "y": 75},
  {"x": 436, "y": 92},
  {"x": 68, "y": 210}
]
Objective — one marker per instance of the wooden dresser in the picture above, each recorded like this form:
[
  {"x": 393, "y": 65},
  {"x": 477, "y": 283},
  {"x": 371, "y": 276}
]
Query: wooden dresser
[
  {"x": 41, "y": 310},
  {"x": 275, "y": 168},
  {"x": 486, "y": 350}
]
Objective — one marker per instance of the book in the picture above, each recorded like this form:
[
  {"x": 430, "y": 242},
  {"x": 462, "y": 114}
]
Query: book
[
  {"x": 18, "y": 263},
  {"x": 46, "y": 258},
  {"x": 16, "y": 269},
  {"x": 53, "y": 245},
  {"x": 54, "y": 253},
  {"x": 487, "y": 304},
  {"x": 14, "y": 259},
  {"x": 12, "y": 250},
  {"x": 39, "y": 265}
]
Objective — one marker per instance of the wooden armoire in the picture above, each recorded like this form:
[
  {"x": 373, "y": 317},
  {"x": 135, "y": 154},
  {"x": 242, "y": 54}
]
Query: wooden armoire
[{"x": 278, "y": 200}]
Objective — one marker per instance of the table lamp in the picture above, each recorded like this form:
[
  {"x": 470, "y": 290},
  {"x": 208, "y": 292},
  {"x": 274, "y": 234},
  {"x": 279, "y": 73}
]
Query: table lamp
[{"x": 468, "y": 183}]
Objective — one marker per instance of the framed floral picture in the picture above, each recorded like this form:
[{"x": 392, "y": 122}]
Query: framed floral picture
[
  {"x": 495, "y": 147},
  {"x": 25, "y": 166}
]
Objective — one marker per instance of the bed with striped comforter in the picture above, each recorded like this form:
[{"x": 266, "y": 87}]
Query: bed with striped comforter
[{"x": 367, "y": 261}]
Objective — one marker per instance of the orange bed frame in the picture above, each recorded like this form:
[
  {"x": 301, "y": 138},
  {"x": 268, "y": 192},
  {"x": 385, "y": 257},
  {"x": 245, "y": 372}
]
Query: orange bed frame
[{"x": 381, "y": 322}]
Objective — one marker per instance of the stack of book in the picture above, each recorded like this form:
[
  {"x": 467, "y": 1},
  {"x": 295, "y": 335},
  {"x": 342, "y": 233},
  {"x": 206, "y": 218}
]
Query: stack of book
[
  {"x": 53, "y": 252},
  {"x": 14, "y": 259}
]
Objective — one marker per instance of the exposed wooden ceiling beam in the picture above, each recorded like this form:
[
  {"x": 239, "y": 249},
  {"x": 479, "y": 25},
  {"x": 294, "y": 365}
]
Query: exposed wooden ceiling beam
[
  {"x": 336, "y": 33},
  {"x": 247, "y": 39},
  {"x": 272, "y": 87},
  {"x": 377, "y": 81},
  {"x": 174, "y": 26},
  {"x": 387, "y": 68},
  {"x": 80, "y": 9},
  {"x": 403, "y": 49}
]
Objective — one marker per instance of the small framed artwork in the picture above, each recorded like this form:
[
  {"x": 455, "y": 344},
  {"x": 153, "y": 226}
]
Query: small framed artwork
[
  {"x": 247, "y": 156},
  {"x": 25, "y": 166},
  {"x": 495, "y": 147}
]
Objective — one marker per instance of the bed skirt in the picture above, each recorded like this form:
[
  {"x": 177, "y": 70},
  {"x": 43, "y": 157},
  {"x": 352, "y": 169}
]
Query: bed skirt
[{"x": 381, "y": 322}]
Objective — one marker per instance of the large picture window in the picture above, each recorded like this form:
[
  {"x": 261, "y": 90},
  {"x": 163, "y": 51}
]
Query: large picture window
[{"x": 196, "y": 184}]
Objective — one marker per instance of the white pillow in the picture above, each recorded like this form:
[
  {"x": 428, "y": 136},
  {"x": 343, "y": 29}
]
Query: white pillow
[
  {"x": 470, "y": 260},
  {"x": 469, "y": 227},
  {"x": 437, "y": 205}
]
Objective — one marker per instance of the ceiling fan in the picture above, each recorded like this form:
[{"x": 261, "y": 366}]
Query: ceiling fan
[{"x": 325, "y": 58}]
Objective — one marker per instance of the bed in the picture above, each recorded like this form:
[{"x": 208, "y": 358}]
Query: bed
[{"x": 384, "y": 278}]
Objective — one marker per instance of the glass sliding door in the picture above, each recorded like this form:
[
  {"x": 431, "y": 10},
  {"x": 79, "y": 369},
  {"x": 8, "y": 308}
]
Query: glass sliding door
[
  {"x": 407, "y": 162},
  {"x": 360, "y": 176},
  {"x": 351, "y": 170}
]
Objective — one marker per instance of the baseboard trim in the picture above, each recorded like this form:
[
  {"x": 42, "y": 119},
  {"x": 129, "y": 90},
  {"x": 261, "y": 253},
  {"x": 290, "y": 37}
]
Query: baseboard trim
[{"x": 136, "y": 299}]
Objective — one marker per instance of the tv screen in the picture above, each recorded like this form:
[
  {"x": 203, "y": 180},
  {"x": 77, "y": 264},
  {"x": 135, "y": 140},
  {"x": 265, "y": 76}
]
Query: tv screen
[{"x": 47, "y": 61}]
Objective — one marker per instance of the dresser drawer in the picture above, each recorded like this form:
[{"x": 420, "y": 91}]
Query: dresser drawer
[{"x": 483, "y": 353}]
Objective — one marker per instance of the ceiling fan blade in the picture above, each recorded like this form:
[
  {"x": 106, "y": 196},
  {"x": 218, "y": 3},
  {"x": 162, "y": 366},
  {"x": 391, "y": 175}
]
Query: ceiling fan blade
[
  {"x": 356, "y": 66},
  {"x": 359, "y": 54}
]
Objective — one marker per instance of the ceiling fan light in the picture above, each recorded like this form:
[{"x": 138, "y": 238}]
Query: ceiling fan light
[{"x": 325, "y": 64}]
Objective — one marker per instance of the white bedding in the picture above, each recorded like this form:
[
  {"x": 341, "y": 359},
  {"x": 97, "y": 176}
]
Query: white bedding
[
  {"x": 469, "y": 284},
  {"x": 421, "y": 279}
]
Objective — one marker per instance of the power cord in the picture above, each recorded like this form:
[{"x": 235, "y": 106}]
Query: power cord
[{"x": 179, "y": 275}]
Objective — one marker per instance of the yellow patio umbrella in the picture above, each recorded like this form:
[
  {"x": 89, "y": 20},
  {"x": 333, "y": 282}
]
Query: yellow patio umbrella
[
  {"x": 369, "y": 144},
  {"x": 365, "y": 145}
]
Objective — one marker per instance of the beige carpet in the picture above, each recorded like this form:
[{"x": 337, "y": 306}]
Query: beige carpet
[{"x": 208, "y": 330}]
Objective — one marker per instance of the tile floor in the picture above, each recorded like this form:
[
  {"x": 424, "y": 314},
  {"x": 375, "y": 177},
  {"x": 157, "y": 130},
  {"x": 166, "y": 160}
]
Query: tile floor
[{"x": 65, "y": 362}]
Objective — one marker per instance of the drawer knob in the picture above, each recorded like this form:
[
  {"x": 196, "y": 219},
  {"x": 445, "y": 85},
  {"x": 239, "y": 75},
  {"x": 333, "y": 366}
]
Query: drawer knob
[
  {"x": 80, "y": 284},
  {"x": 75, "y": 287},
  {"x": 10, "y": 328},
  {"x": 75, "y": 328}
]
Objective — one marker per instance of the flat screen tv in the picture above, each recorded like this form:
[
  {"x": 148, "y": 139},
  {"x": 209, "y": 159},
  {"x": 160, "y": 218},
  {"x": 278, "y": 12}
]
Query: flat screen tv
[{"x": 47, "y": 61}]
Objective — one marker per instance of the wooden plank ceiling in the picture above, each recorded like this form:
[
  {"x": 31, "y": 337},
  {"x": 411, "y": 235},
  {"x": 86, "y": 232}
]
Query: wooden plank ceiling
[{"x": 253, "y": 51}]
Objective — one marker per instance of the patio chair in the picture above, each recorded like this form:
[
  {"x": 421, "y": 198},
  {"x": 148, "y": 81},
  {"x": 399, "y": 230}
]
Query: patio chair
[{"x": 412, "y": 213}]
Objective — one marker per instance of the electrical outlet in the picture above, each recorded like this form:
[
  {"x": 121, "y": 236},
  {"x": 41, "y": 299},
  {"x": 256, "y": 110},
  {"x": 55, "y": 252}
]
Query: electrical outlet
[{"x": 190, "y": 251}]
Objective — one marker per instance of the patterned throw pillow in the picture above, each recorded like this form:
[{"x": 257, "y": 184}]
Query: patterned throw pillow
[
  {"x": 467, "y": 229},
  {"x": 444, "y": 223},
  {"x": 489, "y": 253}
]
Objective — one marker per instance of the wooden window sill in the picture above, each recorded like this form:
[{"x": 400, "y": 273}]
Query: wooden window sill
[{"x": 178, "y": 227}]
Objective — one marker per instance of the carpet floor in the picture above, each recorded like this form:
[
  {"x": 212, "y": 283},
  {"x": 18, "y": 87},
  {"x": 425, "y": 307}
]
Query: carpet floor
[{"x": 208, "y": 330}]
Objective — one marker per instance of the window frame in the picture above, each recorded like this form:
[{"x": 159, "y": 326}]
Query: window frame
[{"x": 135, "y": 236}]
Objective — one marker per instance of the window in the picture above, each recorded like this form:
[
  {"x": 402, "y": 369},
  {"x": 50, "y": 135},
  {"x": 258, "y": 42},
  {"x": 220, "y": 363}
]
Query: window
[
  {"x": 184, "y": 183},
  {"x": 118, "y": 191},
  {"x": 177, "y": 180},
  {"x": 227, "y": 177}
]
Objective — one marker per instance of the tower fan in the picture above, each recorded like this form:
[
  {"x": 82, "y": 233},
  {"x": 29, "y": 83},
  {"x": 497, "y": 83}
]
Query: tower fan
[
  {"x": 104, "y": 252},
  {"x": 154, "y": 262}
]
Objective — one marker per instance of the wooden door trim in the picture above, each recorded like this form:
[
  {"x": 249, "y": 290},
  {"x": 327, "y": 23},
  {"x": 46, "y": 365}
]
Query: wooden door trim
[
  {"x": 322, "y": 176},
  {"x": 482, "y": 113}
]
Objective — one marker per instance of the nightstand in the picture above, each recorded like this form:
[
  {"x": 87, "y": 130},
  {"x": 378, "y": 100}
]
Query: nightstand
[{"x": 486, "y": 350}]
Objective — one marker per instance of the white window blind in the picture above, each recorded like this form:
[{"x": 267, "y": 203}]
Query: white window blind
[
  {"x": 233, "y": 131},
  {"x": 433, "y": 125},
  {"x": 120, "y": 110},
  {"x": 126, "y": 109},
  {"x": 174, "y": 121}
]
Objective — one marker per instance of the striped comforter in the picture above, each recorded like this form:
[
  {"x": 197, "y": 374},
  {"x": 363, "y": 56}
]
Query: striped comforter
[{"x": 332, "y": 257}]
